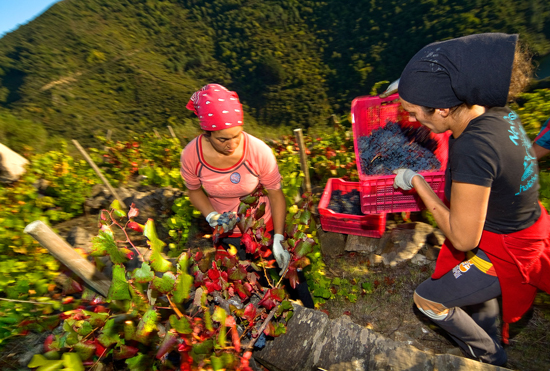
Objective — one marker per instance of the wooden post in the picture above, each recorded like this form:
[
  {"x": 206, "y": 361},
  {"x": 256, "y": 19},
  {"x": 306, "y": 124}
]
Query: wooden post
[
  {"x": 98, "y": 172},
  {"x": 108, "y": 137},
  {"x": 63, "y": 252},
  {"x": 171, "y": 131},
  {"x": 303, "y": 157},
  {"x": 156, "y": 133}
]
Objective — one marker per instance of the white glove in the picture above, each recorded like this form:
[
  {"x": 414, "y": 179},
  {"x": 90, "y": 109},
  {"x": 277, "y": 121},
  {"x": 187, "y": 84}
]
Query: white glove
[
  {"x": 281, "y": 255},
  {"x": 404, "y": 178},
  {"x": 212, "y": 218}
]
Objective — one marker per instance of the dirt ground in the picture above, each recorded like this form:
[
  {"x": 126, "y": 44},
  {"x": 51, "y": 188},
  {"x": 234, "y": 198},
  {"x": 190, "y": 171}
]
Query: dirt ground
[{"x": 389, "y": 310}]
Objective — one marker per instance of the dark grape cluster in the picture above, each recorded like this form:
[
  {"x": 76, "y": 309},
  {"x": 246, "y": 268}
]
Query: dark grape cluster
[
  {"x": 392, "y": 147},
  {"x": 347, "y": 203},
  {"x": 228, "y": 220}
]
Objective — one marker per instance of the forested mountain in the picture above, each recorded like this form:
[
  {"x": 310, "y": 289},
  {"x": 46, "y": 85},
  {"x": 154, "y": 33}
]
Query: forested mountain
[{"x": 87, "y": 65}]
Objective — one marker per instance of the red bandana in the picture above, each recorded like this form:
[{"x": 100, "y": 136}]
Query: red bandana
[{"x": 217, "y": 107}]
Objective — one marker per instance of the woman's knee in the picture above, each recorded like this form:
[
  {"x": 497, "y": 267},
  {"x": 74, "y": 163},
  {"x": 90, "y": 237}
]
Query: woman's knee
[{"x": 434, "y": 310}]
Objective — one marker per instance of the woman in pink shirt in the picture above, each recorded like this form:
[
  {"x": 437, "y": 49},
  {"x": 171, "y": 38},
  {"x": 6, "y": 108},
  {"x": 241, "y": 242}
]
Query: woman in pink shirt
[{"x": 225, "y": 163}]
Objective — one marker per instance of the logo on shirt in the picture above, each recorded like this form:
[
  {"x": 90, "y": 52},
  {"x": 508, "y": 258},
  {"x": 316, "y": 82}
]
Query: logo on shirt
[
  {"x": 461, "y": 268},
  {"x": 235, "y": 178}
]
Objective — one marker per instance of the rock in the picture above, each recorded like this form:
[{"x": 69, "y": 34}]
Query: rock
[
  {"x": 294, "y": 350},
  {"x": 80, "y": 238},
  {"x": 314, "y": 342},
  {"x": 436, "y": 238},
  {"x": 12, "y": 165},
  {"x": 332, "y": 244},
  {"x": 432, "y": 252},
  {"x": 361, "y": 243},
  {"x": 375, "y": 260},
  {"x": 420, "y": 259},
  {"x": 385, "y": 243},
  {"x": 408, "y": 239}
]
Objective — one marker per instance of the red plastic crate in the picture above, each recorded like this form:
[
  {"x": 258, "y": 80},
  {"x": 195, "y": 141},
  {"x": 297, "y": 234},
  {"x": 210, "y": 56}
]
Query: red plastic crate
[
  {"x": 372, "y": 225},
  {"x": 377, "y": 192}
]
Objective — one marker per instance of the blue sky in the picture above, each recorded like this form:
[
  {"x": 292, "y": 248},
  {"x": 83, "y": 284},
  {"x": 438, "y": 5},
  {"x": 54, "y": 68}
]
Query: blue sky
[{"x": 17, "y": 12}]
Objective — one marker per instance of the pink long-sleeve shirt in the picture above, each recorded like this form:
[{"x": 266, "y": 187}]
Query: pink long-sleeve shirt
[{"x": 224, "y": 186}]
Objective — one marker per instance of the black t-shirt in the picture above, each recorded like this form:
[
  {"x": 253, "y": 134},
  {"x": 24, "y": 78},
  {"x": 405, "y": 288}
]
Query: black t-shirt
[{"x": 495, "y": 152}]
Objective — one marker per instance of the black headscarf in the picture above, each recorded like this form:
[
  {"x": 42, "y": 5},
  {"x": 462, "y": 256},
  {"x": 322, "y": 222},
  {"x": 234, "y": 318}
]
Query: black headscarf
[{"x": 473, "y": 69}]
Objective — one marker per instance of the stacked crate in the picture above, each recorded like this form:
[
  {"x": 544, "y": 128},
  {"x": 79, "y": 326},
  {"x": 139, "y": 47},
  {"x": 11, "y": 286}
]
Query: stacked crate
[{"x": 378, "y": 197}]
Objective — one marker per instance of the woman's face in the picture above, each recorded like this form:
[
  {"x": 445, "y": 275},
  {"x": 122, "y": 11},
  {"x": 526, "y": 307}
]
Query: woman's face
[
  {"x": 433, "y": 121},
  {"x": 226, "y": 141}
]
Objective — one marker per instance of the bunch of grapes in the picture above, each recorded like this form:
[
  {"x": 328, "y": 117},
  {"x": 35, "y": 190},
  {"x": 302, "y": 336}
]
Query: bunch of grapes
[
  {"x": 392, "y": 147},
  {"x": 228, "y": 220},
  {"x": 347, "y": 203}
]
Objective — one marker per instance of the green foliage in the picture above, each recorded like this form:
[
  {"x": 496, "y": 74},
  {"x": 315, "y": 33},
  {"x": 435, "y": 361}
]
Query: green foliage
[
  {"x": 20, "y": 135},
  {"x": 83, "y": 68},
  {"x": 143, "y": 304},
  {"x": 534, "y": 110},
  {"x": 544, "y": 193}
]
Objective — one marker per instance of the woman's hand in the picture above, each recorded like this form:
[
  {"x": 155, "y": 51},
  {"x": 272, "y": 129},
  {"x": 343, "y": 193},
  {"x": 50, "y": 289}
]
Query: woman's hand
[
  {"x": 403, "y": 179},
  {"x": 227, "y": 221},
  {"x": 281, "y": 255}
]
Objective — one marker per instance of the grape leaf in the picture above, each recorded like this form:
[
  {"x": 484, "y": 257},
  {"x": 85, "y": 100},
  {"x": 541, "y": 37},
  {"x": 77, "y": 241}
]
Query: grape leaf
[
  {"x": 139, "y": 300},
  {"x": 184, "y": 282},
  {"x": 72, "y": 361},
  {"x": 181, "y": 325},
  {"x": 143, "y": 274},
  {"x": 165, "y": 284},
  {"x": 304, "y": 247},
  {"x": 85, "y": 350},
  {"x": 109, "y": 334},
  {"x": 146, "y": 326},
  {"x": 119, "y": 289},
  {"x": 124, "y": 352},
  {"x": 118, "y": 209},
  {"x": 168, "y": 343},
  {"x": 159, "y": 263},
  {"x": 104, "y": 244},
  {"x": 138, "y": 363}
]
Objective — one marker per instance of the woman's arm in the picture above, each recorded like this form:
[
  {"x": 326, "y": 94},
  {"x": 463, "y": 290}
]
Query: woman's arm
[
  {"x": 463, "y": 223},
  {"x": 201, "y": 202},
  {"x": 540, "y": 151},
  {"x": 278, "y": 209}
]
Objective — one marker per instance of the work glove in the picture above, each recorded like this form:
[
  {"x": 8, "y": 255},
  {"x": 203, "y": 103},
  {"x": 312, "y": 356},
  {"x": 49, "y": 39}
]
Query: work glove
[
  {"x": 403, "y": 178},
  {"x": 281, "y": 255},
  {"x": 227, "y": 220}
]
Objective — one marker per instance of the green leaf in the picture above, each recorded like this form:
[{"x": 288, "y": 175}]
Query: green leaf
[
  {"x": 184, "y": 282},
  {"x": 72, "y": 361},
  {"x": 96, "y": 319},
  {"x": 118, "y": 209},
  {"x": 181, "y": 325},
  {"x": 51, "y": 366},
  {"x": 165, "y": 284},
  {"x": 143, "y": 274},
  {"x": 304, "y": 247},
  {"x": 119, "y": 289},
  {"x": 104, "y": 244},
  {"x": 138, "y": 363},
  {"x": 159, "y": 263},
  {"x": 85, "y": 328},
  {"x": 139, "y": 300},
  {"x": 85, "y": 351},
  {"x": 146, "y": 326},
  {"x": 183, "y": 262},
  {"x": 109, "y": 334},
  {"x": 37, "y": 361},
  {"x": 217, "y": 363}
]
